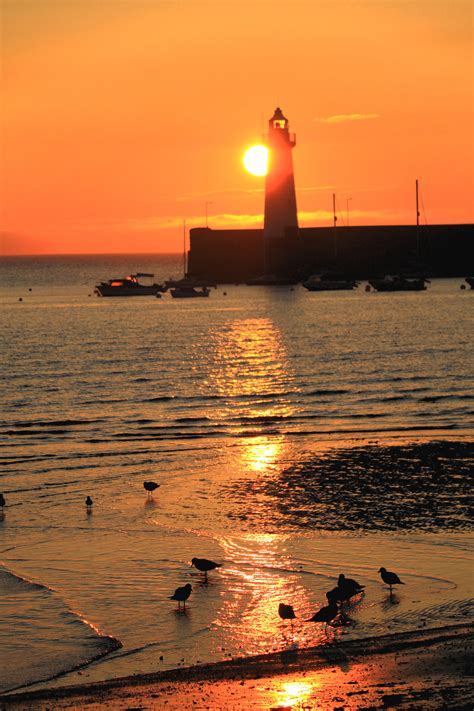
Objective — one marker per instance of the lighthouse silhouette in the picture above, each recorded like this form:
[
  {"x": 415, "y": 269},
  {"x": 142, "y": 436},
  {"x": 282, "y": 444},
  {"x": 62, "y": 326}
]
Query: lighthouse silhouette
[{"x": 281, "y": 219}]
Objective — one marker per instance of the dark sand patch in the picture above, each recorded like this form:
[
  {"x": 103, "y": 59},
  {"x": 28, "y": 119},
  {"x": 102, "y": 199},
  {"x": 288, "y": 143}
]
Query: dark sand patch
[{"x": 425, "y": 487}]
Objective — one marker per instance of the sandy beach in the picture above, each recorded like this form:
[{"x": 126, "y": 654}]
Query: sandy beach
[{"x": 426, "y": 669}]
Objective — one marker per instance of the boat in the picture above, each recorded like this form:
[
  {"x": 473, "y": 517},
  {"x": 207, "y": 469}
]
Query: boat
[
  {"x": 188, "y": 292},
  {"x": 185, "y": 288},
  {"x": 272, "y": 280},
  {"x": 398, "y": 283},
  {"x": 470, "y": 281},
  {"x": 128, "y": 286},
  {"x": 188, "y": 282},
  {"x": 320, "y": 282}
]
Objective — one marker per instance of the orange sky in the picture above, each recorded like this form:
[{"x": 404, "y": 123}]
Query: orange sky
[{"x": 122, "y": 117}]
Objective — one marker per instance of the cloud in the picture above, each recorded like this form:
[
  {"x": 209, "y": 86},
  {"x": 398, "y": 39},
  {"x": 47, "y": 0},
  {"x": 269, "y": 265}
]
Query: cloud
[
  {"x": 340, "y": 118},
  {"x": 228, "y": 220},
  {"x": 216, "y": 221},
  {"x": 235, "y": 192}
]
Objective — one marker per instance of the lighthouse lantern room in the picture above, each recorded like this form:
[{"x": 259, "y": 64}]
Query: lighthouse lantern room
[{"x": 280, "y": 198}]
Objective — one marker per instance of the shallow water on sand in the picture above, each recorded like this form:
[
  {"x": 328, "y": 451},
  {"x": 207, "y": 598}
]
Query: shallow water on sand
[{"x": 275, "y": 421}]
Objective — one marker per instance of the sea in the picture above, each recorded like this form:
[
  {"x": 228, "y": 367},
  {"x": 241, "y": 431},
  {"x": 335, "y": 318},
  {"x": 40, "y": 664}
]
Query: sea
[{"x": 294, "y": 436}]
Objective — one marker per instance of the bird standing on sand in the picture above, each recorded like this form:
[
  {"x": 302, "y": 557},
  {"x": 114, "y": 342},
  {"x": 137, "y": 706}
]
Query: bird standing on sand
[
  {"x": 390, "y": 578},
  {"x": 327, "y": 613},
  {"x": 89, "y": 502},
  {"x": 2, "y": 501},
  {"x": 182, "y": 594},
  {"x": 205, "y": 565},
  {"x": 286, "y": 612},
  {"x": 150, "y": 486}
]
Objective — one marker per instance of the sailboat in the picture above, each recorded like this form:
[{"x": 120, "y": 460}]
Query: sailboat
[
  {"x": 328, "y": 281},
  {"x": 185, "y": 288},
  {"x": 397, "y": 282}
]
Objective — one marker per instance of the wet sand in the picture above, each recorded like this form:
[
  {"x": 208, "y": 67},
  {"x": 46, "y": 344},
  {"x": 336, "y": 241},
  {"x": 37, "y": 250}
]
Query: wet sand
[{"x": 426, "y": 669}]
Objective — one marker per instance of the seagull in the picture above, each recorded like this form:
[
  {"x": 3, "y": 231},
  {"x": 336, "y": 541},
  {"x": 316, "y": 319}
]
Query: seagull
[
  {"x": 325, "y": 614},
  {"x": 338, "y": 594},
  {"x": 182, "y": 594},
  {"x": 349, "y": 584},
  {"x": 2, "y": 500},
  {"x": 286, "y": 612},
  {"x": 204, "y": 565},
  {"x": 89, "y": 502},
  {"x": 150, "y": 486},
  {"x": 390, "y": 578}
]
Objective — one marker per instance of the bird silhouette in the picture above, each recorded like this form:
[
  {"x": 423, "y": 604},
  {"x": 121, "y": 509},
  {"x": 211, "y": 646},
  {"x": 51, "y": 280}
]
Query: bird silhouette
[
  {"x": 2, "y": 500},
  {"x": 327, "y": 613},
  {"x": 390, "y": 578},
  {"x": 205, "y": 565},
  {"x": 349, "y": 584},
  {"x": 89, "y": 502},
  {"x": 339, "y": 594},
  {"x": 286, "y": 612},
  {"x": 182, "y": 594},
  {"x": 150, "y": 486}
]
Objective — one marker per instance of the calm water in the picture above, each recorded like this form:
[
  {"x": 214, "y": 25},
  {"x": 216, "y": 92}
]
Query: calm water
[{"x": 282, "y": 426}]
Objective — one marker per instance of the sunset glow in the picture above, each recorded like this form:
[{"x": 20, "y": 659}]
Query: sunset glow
[
  {"x": 256, "y": 160},
  {"x": 116, "y": 125}
]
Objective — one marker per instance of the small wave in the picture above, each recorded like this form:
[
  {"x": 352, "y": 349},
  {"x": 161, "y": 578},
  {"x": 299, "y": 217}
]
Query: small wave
[
  {"x": 54, "y": 423},
  {"x": 161, "y": 398},
  {"x": 328, "y": 391},
  {"x": 58, "y": 639},
  {"x": 451, "y": 396}
]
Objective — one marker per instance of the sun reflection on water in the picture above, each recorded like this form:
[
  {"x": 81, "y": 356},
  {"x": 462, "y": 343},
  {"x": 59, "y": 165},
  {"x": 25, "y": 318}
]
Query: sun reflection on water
[
  {"x": 251, "y": 361},
  {"x": 260, "y": 576},
  {"x": 261, "y": 453}
]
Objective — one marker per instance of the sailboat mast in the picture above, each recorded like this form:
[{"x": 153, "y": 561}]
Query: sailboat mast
[
  {"x": 417, "y": 223},
  {"x": 334, "y": 223},
  {"x": 184, "y": 248}
]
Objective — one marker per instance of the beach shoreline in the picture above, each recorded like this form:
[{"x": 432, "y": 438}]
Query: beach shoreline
[{"x": 428, "y": 667}]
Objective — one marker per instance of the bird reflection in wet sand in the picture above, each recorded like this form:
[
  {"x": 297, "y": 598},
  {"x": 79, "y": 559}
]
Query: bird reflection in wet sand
[
  {"x": 181, "y": 595},
  {"x": 286, "y": 612},
  {"x": 390, "y": 579},
  {"x": 205, "y": 565}
]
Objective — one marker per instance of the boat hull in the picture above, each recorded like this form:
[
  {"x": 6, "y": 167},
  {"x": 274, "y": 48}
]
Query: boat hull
[
  {"x": 330, "y": 286},
  {"x": 401, "y": 285},
  {"x": 104, "y": 290}
]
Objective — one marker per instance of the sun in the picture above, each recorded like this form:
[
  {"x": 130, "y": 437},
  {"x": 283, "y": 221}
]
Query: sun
[{"x": 256, "y": 160}]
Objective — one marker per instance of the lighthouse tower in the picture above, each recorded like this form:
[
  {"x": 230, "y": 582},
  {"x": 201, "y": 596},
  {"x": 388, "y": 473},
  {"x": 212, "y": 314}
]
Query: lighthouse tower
[{"x": 280, "y": 196}]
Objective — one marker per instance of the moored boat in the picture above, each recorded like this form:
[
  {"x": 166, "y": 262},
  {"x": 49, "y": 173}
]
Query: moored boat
[
  {"x": 319, "y": 282},
  {"x": 128, "y": 286},
  {"x": 188, "y": 292},
  {"x": 188, "y": 282},
  {"x": 398, "y": 283},
  {"x": 272, "y": 280}
]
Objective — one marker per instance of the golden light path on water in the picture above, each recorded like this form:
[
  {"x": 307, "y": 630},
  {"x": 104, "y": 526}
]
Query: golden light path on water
[{"x": 251, "y": 359}]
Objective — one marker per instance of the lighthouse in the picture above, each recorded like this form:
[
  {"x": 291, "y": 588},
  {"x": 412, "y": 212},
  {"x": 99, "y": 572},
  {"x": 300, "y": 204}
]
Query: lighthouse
[{"x": 280, "y": 198}]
